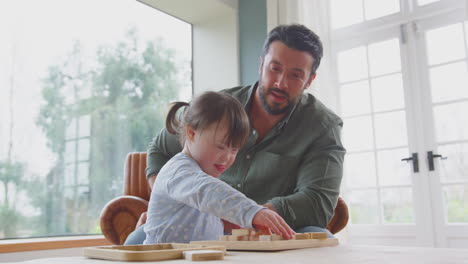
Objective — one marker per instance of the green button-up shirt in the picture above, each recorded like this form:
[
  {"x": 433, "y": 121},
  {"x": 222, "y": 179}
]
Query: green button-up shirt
[{"x": 297, "y": 166}]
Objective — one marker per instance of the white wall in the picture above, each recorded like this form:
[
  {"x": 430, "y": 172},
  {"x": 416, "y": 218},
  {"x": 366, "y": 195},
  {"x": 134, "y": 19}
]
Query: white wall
[{"x": 215, "y": 39}]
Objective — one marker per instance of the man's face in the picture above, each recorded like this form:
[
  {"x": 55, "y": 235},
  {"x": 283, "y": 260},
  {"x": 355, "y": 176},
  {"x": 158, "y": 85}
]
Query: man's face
[{"x": 284, "y": 75}]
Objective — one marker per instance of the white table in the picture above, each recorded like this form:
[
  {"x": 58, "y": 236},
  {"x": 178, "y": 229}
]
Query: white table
[{"x": 340, "y": 254}]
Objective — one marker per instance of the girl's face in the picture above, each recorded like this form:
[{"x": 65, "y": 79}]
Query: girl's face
[{"x": 209, "y": 149}]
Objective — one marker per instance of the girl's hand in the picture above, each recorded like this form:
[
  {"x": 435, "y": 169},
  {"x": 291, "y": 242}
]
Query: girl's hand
[{"x": 270, "y": 220}]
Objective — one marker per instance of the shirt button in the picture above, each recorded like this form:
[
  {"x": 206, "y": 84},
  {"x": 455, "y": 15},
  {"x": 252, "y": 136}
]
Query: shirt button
[
  {"x": 239, "y": 185},
  {"x": 248, "y": 156}
]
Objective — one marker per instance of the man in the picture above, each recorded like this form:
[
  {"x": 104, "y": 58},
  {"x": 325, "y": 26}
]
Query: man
[{"x": 293, "y": 160}]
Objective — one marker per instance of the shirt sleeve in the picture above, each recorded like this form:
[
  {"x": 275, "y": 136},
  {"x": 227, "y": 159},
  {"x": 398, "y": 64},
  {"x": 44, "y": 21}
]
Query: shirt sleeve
[
  {"x": 162, "y": 148},
  {"x": 318, "y": 183},
  {"x": 212, "y": 196}
]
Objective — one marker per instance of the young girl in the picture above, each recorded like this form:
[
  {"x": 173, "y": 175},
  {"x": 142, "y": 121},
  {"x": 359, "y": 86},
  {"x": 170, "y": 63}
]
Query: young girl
[{"x": 188, "y": 201}]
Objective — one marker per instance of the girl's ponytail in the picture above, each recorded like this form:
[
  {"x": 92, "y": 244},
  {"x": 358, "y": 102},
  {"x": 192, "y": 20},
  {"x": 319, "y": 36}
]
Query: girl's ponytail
[{"x": 172, "y": 123}]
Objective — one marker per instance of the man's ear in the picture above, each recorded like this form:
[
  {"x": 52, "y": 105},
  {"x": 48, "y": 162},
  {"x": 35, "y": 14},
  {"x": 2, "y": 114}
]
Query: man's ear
[
  {"x": 189, "y": 133},
  {"x": 261, "y": 66},
  {"x": 309, "y": 82}
]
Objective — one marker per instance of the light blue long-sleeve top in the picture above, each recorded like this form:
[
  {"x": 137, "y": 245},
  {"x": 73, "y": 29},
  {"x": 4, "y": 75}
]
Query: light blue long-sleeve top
[{"x": 186, "y": 204}]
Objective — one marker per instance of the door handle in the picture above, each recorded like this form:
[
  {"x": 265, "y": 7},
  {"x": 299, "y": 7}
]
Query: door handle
[
  {"x": 430, "y": 159},
  {"x": 414, "y": 159}
]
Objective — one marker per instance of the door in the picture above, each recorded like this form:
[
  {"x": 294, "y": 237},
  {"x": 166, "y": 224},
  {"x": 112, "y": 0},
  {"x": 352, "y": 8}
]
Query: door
[
  {"x": 403, "y": 89},
  {"x": 443, "y": 62}
]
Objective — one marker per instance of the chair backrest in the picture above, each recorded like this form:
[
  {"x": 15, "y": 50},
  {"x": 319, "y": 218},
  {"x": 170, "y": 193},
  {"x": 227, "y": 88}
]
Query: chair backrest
[{"x": 134, "y": 176}]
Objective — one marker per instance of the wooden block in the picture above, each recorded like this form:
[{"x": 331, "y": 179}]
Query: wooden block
[
  {"x": 270, "y": 237},
  {"x": 264, "y": 238},
  {"x": 253, "y": 238},
  {"x": 243, "y": 238},
  {"x": 301, "y": 236},
  {"x": 275, "y": 237},
  {"x": 224, "y": 238},
  {"x": 196, "y": 255},
  {"x": 318, "y": 235},
  {"x": 240, "y": 232},
  {"x": 233, "y": 238}
]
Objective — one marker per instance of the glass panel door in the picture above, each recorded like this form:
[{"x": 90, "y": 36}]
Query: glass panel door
[{"x": 445, "y": 41}]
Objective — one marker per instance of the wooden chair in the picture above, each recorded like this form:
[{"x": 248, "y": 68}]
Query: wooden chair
[{"x": 120, "y": 215}]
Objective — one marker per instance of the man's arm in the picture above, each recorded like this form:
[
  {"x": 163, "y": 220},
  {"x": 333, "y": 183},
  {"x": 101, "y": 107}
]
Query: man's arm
[
  {"x": 318, "y": 184},
  {"x": 162, "y": 148},
  {"x": 151, "y": 180}
]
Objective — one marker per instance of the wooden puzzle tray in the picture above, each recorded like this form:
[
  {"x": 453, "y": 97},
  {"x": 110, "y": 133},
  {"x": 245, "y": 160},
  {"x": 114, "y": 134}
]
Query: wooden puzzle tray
[
  {"x": 270, "y": 245},
  {"x": 146, "y": 252}
]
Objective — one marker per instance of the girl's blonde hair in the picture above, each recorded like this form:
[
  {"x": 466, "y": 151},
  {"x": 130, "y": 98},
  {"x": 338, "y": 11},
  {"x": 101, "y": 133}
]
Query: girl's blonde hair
[{"x": 207, "y": 109}]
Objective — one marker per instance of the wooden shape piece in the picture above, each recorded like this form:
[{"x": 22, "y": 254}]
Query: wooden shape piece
[
  {"x": 240, "y": 232},
  {"x": 196, "y": 255},
  {"x": 301, "y": 236},
  {"x": 318, "y": 235},
  {"x": 264, "y": 238}
]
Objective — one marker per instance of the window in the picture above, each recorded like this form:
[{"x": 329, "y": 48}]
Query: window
[
  {"x": 82, "y": 83},
  {"x": 402, "y": 78}
]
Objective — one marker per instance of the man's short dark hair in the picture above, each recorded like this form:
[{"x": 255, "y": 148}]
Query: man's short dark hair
[{"x": 297, "y": 37}]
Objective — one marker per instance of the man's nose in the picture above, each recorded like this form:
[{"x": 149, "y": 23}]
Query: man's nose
[{"x": 281, "y": 82}]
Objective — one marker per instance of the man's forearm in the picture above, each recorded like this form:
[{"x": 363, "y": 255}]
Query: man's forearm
[
  {"x": 270, "y": 206},
  {"x": 151, "y": 180}
]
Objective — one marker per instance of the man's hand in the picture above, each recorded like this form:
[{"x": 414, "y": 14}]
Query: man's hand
[
  {"x": 141, "y": 220},
  {"x": 269, "y": 219}
]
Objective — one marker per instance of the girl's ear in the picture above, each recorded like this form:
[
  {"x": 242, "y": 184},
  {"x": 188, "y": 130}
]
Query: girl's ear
[{"x": 189, "y": 133}]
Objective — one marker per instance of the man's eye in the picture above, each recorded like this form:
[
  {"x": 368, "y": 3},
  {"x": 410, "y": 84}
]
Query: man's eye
[{"x": 220, "y": 147}]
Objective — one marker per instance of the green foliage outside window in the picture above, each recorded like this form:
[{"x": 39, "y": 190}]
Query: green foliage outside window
[{"x": 125, "y": 94}]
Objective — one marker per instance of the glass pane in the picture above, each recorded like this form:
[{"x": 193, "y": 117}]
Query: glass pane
[
  {"x": 70, "y": 132},
  {"x": 384, "y": 57},
  {"x": 71, "y": 64},
  {"x": 358, "y": 134},
  {"x": 390, "y": 130},
  {"x": 455, "y": 167},
  {"x": 363, "y": 207},
  {"x": 69, "y": 179},
  {"x": 346, "y": 12},
  {"x": 449, "y": 82},
  {"x": 70, "y": 152},
  {"x": 355, "y": 99},
  {"x": 445, "y": 44},
  {"x": 397, "y": 205},
  {"x": 352, "y": 64},
  {"x": 425, "y": 2},
  {"x": 387, "y": 93},
  {"x": 375, "y": 9},
  {"x": 456, "y": 203},
  {"x": 393, "y": 171},
  {"x": 360, "y": 170},
  {"x": 85, "y": 126},
  {"x": 83, "y": 149},
  {"x": 83, "y": 173},
  {"x": 451, "y": 122},
  {"x": 466, "y": 31}
]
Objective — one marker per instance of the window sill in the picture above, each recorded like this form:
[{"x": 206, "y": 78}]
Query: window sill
[{"x": 46, "y": 243}]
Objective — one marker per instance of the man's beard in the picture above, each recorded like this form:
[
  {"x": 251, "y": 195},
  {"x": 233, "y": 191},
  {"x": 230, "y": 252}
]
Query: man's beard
[{"x": 275, "y": 109}]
